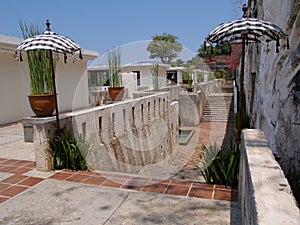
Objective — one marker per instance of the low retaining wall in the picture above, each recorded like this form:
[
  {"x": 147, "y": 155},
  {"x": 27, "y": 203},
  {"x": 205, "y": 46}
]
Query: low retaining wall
[
  {"x": 191, "y": 107},
  {"x": 126, "y": 136},
  {"x": 265, "y": 194},
  {"x": 191, "y": 104}
]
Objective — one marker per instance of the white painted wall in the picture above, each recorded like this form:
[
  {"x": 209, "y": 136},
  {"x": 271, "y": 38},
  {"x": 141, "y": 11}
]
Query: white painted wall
[
  {"x": 146, "y": 75},
  {"x": 13, "y": 90}
]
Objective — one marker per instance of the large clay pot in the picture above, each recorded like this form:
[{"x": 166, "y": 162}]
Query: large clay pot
[
  {"x": 116, "y": 93},
  {"x": 43, "y": 104}
]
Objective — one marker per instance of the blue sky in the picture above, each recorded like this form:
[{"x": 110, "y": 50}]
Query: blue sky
[{"x": 101, "y": 25}]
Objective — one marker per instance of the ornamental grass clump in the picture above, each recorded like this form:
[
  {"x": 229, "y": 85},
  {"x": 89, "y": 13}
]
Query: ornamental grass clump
[
  {"x": 39, "y": 63},
  {"x": 114, "y": 67}
]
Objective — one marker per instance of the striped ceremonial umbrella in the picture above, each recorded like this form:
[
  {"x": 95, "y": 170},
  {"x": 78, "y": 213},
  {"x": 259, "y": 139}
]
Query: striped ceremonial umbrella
[
  {"x": 53, "y": 42},
  {"x": 245, "y": 30}
]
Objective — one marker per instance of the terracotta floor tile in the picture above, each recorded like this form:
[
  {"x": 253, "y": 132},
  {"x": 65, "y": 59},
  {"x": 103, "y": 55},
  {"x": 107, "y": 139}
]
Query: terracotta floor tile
[
  {"x": 22, "y": 163},
  {"x": 200, "y": 192},
  {"x": 12, "y": 191},
  {"x": 7, "y": 169},
  {"x": 10, "y": 161},
  {"x": 177, "y": 190},
  {"x": 132, "y": 187},
  {"x": 87, "y": 172},
  {"x": 97, "y": 180},
  {"x": 160, "y": 181},
  {"x": 203, "y": 185},
  {"x": 179, "y": 182},
  {"x": 117, "y": 182},
  {"x": 31, "y": 165},
  {"x": 30, "y": 181},
  {"x": 69, "y": 171},
  {"x": 78, "y": 178},
  {"x": 14, "y": 179},
  {"x": 156, "y": 187},
  {"x": 225, "y": 187},
  {"x": 3, "y": 186},
  {"x": 225, "y": 195},
  {"x": 21, "y": 170},
  {"x": 61, "y": 176},
  {"x": 136, "y": 183},
  {"x": 3, "y": 199},
  {"x": 3, "y": 160}
]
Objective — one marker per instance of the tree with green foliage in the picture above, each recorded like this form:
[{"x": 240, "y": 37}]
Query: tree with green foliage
[
  {"x": 207, "y": 52},
  {"x": 165, "y": 47}
]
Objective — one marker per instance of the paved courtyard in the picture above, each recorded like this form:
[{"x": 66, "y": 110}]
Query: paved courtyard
[{"x": 28, "y": 196}]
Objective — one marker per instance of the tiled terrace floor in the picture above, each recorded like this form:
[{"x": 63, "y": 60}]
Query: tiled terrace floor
[
  {"x": 16, "y": 181},
  {"x": 16, "y": 176}
]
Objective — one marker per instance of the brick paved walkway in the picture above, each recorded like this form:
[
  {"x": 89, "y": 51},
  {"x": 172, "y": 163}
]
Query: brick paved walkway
[{"x": 19, "y": 180}]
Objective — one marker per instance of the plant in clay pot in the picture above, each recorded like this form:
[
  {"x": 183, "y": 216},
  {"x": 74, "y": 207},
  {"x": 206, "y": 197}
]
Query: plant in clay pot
[
  {"x": 116, "y": 90},
  {"x": 41, "y": 99}
]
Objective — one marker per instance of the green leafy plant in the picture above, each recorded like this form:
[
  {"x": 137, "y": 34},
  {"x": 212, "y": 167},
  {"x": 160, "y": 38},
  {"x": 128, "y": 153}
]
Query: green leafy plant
[
  {"x": 114, "y": 66},
  {"x": 39, "y": 63},
  {"x": 68, "y": 152},
  {"x": 220, "y": 166}
]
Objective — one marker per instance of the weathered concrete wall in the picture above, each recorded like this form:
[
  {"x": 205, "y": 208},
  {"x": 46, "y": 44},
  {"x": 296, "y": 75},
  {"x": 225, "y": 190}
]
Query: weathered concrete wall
[
  {"x": 191, "y": 104},
  {"x": 269, "y": 82},
  {"x": 126, "y": 136},
  {"x": 264, "y": 192}
]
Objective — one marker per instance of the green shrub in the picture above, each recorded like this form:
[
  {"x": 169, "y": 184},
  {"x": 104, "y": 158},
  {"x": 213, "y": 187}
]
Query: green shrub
[
  {"x": 221, "y": 166},
  {"x": 68, "y": 152},
  {"x": 218, "y": 74}
]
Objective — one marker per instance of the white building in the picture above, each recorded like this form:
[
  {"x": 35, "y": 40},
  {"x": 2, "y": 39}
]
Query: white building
[
  {"x": 71, "y": 81},
  {"x": 98, "y": 75}
]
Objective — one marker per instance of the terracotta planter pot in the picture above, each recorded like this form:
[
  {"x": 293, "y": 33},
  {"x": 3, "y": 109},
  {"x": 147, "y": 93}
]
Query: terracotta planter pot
[
  {"x": 116, "y": 93},
  {"x": 43, "y": 104},
  {"x": 184, "y": 82}
]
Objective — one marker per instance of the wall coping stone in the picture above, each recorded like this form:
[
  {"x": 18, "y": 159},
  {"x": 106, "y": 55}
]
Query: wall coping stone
[{"x": 265, "y": 194}]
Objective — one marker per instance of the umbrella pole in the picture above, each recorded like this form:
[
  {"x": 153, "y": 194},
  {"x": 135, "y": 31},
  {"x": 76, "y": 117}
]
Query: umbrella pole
[
  {"x": 54, "y": 90},
  {"x": 241, "y": 90}
]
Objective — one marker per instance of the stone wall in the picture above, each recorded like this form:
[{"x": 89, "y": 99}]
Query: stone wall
[
  {"x": 270, "y": 82},
  {"x": 127, "y": 136},
  {"x": 264, "y": 192}
]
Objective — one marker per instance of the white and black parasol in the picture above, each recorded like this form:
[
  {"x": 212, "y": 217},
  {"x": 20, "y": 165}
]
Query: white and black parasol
[
  {"x": 51, "y": 41},
  {"x": 245, "y": 30},
  {"x": 253, "y": 30}
]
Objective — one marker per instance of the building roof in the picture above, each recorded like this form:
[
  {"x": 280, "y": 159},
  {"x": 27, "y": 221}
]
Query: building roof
[{"x": 136, "y": 64}]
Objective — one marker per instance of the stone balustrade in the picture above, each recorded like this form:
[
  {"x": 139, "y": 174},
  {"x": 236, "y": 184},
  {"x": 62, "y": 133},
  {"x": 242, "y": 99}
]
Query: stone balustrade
[
  {"x": 126, "y": 136},
  {"x": 265, "y": 194}
]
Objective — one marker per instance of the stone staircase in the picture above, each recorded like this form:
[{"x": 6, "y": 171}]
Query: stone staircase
[{"x": 219, "y": 106}]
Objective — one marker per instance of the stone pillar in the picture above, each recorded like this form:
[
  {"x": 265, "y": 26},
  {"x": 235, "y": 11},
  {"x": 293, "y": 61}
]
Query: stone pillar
[{"x": 42, "y": 151}]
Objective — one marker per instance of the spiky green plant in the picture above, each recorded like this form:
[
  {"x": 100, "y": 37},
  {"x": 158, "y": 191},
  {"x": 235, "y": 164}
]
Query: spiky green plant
[
  {"x": 220, "y": 166},
  {"x": 114, "y": 66},
  {"x": 38, "y": 61},
  {"x": 69, "y": 152}
]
